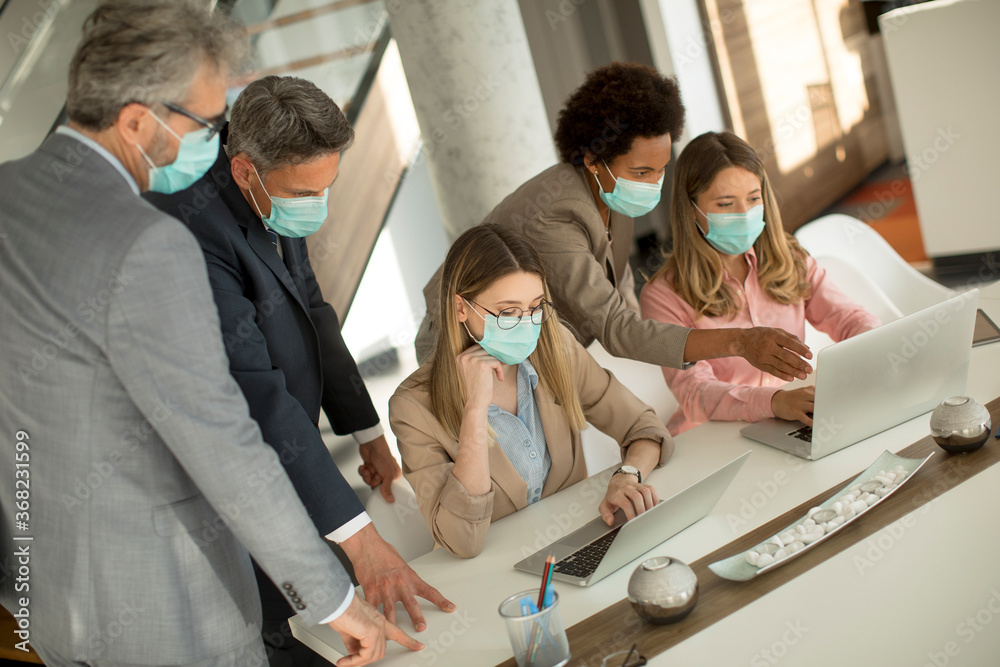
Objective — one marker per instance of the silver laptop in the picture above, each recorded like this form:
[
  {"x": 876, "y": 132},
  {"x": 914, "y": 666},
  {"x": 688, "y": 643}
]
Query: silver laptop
[
  {"x": 595, "y": 550},
  {"x": 883, "y": 377}
]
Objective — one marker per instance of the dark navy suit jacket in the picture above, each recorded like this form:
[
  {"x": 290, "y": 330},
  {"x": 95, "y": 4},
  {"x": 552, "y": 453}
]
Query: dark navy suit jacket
[{"x": 283, "y": 340}]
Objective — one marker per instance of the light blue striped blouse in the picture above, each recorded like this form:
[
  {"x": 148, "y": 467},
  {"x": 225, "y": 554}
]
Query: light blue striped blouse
[{"x": 521, "y": 436}]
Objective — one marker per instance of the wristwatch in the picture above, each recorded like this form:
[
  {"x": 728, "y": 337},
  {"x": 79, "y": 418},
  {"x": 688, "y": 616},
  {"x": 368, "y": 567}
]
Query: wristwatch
[{"x": 629, "y": 470}]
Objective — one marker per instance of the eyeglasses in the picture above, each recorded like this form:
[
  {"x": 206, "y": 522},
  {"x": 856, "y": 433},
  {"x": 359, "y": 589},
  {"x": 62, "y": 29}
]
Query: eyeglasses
[
  {"x": 214, "y": 126},
  {"x": 508, "y": 318}
]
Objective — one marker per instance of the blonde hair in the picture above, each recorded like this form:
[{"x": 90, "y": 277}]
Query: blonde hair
[
  {"x": 477, "y": 259},
  {"x": 694, "y": 269}
]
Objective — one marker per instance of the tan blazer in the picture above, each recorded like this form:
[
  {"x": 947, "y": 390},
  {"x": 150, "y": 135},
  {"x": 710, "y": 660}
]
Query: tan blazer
[
  {"x": 588, "y": 274},
  {"x": 459, "y": 521}
]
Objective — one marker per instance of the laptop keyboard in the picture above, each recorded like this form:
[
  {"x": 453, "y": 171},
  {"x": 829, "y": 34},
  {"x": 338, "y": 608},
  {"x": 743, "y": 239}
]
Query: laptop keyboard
[
  {"x": 582, "y": 562},
  {"x": 804, "y": 433}
]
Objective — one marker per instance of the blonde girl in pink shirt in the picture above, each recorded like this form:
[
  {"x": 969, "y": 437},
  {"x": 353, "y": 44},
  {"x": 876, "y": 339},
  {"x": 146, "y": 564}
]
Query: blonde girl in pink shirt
[{"x": 734, "y": 265}]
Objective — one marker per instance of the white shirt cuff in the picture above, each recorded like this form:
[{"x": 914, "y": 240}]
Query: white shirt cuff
[
  {"x": 369, "y": 434},
  {"x": 348, "y": 530},
  {"x": 341, "y": 609}
]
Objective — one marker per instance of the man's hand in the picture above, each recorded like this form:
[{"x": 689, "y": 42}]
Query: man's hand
[
  {"x": 365, "y": 633},
  {"x": 380, "y": 467},
  {"x": 386, "y": 578},
  {"x": 774, "y": 351},
  {"x": 794, "y": 404},
  {"x": 626, "y": 493}
]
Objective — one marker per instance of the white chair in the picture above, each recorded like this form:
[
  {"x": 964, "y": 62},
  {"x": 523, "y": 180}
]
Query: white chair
[
  {"x": 647, "y": 383},
  {"x": 400, "y": 523},
  {"x": 841, "y": 243}
]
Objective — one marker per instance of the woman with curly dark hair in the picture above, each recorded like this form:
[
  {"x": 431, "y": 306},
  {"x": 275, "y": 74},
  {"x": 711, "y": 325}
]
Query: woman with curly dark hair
[{"x": 614, "y": 139}]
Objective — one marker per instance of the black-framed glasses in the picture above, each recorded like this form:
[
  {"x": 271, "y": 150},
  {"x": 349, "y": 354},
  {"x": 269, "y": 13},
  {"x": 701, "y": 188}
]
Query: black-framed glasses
[
  {"x": 214, "y": 126},
  {"x": 508, "y": 318}
]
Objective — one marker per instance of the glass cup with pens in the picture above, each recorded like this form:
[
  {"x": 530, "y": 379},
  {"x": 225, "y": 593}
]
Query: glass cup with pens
[{"x": 534, "y": 626}]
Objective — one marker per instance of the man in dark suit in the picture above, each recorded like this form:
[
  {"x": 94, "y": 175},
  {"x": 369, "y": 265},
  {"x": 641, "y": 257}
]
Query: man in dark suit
[{"x": 250, "y": 213}]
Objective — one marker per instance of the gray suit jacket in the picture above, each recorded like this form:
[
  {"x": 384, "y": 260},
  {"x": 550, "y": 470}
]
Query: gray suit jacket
[
  {"x": 587, "y": 273},
  {"x": 146, "y": 471}
]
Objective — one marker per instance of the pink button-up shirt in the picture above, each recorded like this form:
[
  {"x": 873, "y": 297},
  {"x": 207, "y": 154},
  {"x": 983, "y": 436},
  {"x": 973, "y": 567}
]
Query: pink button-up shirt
[{"x": 730, "y": 389}]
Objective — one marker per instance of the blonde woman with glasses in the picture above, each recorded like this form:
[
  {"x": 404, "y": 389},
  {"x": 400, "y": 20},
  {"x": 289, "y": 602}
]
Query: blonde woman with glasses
[
  {"x": 734, "y": 265},
  {"x": 492, "y": 423}
]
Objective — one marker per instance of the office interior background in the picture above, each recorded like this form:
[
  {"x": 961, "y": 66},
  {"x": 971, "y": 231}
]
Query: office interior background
[{"x": 454, "y": 103}]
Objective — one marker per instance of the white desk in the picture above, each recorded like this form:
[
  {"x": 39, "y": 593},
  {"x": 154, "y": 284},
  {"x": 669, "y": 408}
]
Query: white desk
[{"x": 911, "y": 601}]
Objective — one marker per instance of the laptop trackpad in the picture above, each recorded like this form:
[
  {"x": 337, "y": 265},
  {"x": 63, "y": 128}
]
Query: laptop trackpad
[{"x": 591, "y": 531}]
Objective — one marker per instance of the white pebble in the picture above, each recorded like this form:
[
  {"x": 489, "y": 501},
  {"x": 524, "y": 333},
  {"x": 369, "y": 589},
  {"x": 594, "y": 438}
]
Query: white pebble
[
  {"x": 808, "y": 522},
  {"x": 788, "y": 537},
  {"x": 811, "y": 537},
  {"x": 795, "y": 546},
  {"x": 859, "y": 506},
  {"x": 855, "y": 488},
  {"x": 900, "y": 476},
  {"x": 780, "y": 553},
  {"x": 752, "y": 557},
  {"x": 838, "y": 507},
  {"x": 891, "y": 476},
  {"x": 800, "y": 529},
  {"x": 848, "y": 512},
  {"x": 872, "y": 499},
  {"x": 765, "y": 560},
  {"x": 883, "y": 478},
  {"x": 849, "y": 498},
  {"x": 838, "y": 521},
  {"x": 777, "y": 540}
]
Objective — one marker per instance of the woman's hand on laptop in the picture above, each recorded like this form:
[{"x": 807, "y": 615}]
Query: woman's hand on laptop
[
  {"x": 794, "y": 404},
  {"x": 625, "y": 492}
]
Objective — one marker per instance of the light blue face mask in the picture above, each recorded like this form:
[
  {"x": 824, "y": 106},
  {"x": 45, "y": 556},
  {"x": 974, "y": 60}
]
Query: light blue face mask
[
  {"x": 630, "y": 198},
  {"x": 509, "y": 346},
  {"x": 195, "y": 157},
  {"x": 734, "y": 233},
  {"x": 294, "y": 217}
]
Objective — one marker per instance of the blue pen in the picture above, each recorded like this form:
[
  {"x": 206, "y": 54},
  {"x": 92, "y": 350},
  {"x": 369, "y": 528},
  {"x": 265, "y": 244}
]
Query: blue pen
[{"x": 527, "y": 605}]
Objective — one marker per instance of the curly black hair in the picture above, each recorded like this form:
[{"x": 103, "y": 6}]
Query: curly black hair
[{"x": 616, "y": 104}]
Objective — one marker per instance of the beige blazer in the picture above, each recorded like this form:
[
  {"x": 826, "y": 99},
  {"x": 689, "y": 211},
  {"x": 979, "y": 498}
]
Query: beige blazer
[
  {"x": 588, "y": 273},
  {"x": 460, "y": 521}
]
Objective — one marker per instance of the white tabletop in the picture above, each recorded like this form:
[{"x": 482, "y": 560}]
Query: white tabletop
[{"x": 910, "y": 603}]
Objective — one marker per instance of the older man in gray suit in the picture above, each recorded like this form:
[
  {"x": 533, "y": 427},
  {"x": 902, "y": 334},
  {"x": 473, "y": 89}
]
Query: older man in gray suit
[{"x": 131, "y": 475}]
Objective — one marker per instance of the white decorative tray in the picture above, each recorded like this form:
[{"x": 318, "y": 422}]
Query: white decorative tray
[{"x": 807, "y": 532}]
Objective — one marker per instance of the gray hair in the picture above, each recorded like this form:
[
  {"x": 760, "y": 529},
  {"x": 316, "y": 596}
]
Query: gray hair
[
  {"x": 279, "y": 121},
  {"x": 146, "y": 51}
]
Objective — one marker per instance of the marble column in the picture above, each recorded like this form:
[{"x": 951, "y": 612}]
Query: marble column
[{"x": 476, "y": 95}]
